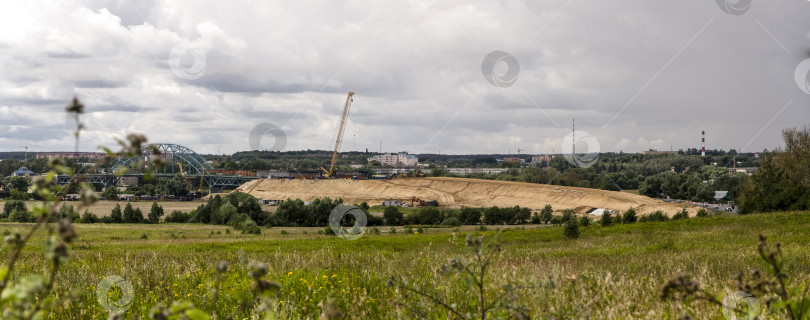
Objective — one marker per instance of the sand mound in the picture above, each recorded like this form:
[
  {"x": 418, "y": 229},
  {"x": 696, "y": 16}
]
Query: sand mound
[{"x": 457, "y": 192}]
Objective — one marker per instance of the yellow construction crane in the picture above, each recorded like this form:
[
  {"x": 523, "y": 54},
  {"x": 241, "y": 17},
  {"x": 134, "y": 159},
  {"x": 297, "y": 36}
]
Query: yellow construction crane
[
  {"x": 331, "y": 172},
  {"x": 181, "y": 169}
]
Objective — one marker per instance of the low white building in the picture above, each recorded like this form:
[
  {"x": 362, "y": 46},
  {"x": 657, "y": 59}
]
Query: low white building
[
  {"x": 399, "y": 159},
  {"x": 469, "y": 171}
]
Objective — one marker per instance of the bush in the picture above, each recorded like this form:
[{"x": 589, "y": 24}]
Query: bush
[
  {"x": 393, "y": 230},
  {"x": 236, "y": 220},
  {"x": 536, "y": 219},
  {"x": 567, "y": 215},
  {"x": 451, "y": 222},
  {"x": 556, "y": 220},
  {"x": 702, "y": 213},
  {"x": 683, "y": 214},
  {"x": 107, "y": 219},
  {"x": 420, "y": 230},
  {"x": 585, "y": 221},
  {"x": 178, "y": 216},
  {"x": 658, "y": 215},
  {"x": 606, "y": 220},
  {"x": 571, "y": 229},
  {"x": 250, "y": 227},
  {"x": 629, "y": 216},
  {"x": 392, "y": 216},
  {"x": 374, "y": 230},
  {"x": 20, "y": 216},
  {"x": 88, "y": 217}
]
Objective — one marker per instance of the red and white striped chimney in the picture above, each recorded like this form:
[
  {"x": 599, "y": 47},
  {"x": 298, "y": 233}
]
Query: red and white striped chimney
[{"x": 703, "y": 143}]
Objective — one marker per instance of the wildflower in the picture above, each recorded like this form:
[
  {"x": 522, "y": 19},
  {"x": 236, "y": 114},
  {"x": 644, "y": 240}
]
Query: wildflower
[{"x": 289, "y": 273}]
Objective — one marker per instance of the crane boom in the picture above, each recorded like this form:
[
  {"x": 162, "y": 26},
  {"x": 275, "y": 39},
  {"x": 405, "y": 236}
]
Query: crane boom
[{"x": 339, "y": 139}]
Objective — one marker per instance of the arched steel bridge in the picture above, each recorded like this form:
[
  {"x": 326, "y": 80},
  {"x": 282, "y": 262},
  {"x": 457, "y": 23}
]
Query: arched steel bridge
[{"x": 193, "y": 165}]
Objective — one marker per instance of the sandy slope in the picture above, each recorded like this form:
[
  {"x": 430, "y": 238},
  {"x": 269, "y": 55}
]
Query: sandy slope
[{"x": 457, "y": 192}]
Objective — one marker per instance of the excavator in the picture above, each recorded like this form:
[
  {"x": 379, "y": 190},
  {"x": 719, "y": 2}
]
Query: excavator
[
  {"x": 416, "y": 202},
  {"x": 331, "y": 172}
]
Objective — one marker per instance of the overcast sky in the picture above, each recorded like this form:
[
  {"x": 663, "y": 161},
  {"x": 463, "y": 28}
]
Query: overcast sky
[{"x": 635, "y": 74}]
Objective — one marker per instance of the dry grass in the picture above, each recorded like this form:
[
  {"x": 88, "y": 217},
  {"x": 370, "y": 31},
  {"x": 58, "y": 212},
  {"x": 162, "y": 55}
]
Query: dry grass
[{"x": 102, "y": 208}]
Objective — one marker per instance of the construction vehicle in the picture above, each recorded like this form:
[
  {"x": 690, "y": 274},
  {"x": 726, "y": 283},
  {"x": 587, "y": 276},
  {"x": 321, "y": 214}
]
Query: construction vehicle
[
  {"x": 331, "y": 172},
  {"x": 416, "y": 202}
]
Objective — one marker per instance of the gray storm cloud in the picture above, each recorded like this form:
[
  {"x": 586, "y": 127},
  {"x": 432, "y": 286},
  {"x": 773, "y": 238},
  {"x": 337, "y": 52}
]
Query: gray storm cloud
[{"x": 635, "y": 74}]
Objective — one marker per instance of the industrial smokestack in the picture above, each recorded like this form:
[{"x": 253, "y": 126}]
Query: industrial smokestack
[{"x": 703, "y": 143}]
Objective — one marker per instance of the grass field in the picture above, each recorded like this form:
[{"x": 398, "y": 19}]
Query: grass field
[{"x": 608, "y": 273}]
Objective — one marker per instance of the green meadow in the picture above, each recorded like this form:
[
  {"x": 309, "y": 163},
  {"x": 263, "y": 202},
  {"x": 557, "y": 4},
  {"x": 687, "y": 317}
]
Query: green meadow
[{"x": 614, "y": 272}]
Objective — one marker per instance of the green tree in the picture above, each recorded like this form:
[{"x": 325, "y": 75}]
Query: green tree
[
  {"x": 568, "y": 214},
  {"x": 155, "y": 213},
  {"x": 225, "y": 213},
  {"x": 177, "y": 186},
  {"x": 17, "y": 183},
  {"x": 11, "y": 206},
  {"x": 546, "y": 214},
  {"x": 251, "y": 207},
  {"x": 629, "y": 216},
  {"x": 522, "y": 215},
  {"x": 20, "y": 216},
  {"x": 783, "y": 180},
  {"x": 606, "y": 220},
  {"x": 111, "y": 193},
  {"x": 115, "y": 214},
  {"x": 66, "y": 212},
  {"x": 137, "y": 216},
  {"x": 392, "y": 216},
  {"x": 470, "y": 216},
  {"x": 585, "y": 221},
  {"x": 129, "y": 213},
  {"x": 571, "y": 230}
]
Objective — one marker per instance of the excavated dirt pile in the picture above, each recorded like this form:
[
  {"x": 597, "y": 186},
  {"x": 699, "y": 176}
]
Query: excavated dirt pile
[{"x": 458, "y": 192}]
